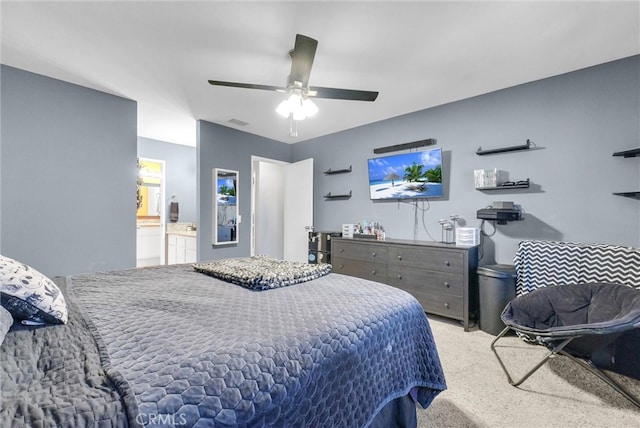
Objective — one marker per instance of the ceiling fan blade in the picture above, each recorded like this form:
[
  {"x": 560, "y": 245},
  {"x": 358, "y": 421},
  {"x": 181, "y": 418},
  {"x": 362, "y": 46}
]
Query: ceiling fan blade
[
  {"x": 342, "y": 94},
  {"x": 247, "y": 85},
  {"x": 302, "y": 59}
]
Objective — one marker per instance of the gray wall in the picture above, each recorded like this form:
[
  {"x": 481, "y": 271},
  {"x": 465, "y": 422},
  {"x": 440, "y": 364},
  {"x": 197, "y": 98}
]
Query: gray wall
[
  {"x": 68, "y": 175},
  {"x": 68, "y": 168},
  {"x": 576, "y": 121},
  {"x": 222, "y": 147},
  {"x": 180, "y": 173}
]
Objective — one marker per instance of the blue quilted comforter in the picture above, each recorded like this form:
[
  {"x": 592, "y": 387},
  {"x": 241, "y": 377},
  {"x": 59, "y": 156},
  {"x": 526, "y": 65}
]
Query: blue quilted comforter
[{"x": 197, "y": 351}]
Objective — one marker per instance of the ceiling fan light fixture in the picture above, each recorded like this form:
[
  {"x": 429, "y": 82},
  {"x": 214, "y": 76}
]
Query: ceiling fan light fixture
[
  {"x": 309, "y": 107},
  {"x": 283, "y": 109},
  {"x": 295, "y": 101},
  {"x": 297, "y": 106},
  {"x": 299, "y": 115}
]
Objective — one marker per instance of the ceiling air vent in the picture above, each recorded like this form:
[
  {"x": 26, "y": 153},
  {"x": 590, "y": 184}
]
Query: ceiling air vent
[{"x": 238, "y": 122}]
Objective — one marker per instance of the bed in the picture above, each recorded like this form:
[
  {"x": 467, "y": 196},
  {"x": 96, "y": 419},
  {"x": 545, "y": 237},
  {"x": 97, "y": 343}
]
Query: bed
[{"x": 173, "y": 346}]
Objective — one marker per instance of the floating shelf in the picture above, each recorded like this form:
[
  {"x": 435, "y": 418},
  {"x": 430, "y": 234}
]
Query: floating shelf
[
  {"x": 634, "y": 195},
  {"x": 338, "y": 171},
  {"x": 481, "y": 152},
  {"x": 343, "y": 196},
  {"x": 628, "y": 153},
  {"x": 507, "y": 187}
]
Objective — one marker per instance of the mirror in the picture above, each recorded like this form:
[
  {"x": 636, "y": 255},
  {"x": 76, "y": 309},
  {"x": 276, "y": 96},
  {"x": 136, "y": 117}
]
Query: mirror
[{"x": 225, "y": 206}]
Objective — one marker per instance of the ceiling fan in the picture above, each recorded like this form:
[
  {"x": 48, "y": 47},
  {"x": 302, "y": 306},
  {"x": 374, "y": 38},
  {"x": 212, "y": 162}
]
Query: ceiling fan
[{"x": 298, "y": 104}]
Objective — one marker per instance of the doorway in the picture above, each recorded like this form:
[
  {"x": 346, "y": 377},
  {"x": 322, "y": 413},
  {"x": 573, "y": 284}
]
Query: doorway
[
  {"x": 281, "y": 208},
  {"x": 150, "y": 214}
]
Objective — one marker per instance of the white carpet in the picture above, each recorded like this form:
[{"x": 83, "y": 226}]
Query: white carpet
[{"x": 560, "y": 394}]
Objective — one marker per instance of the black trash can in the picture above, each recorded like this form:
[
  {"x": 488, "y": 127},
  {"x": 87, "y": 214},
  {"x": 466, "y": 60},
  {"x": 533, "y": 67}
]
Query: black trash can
[{"x": 497, "y": 284}]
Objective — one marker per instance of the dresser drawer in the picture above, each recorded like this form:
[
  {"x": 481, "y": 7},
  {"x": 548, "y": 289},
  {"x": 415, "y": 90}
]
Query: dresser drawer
[
  {"x": 367, "y": 270},
  {"x": 414, "y": 280},
  {"x": 360, "y": 251},
  {"x": 442, "y": 304},
  {"x": 424, "y": 258}
]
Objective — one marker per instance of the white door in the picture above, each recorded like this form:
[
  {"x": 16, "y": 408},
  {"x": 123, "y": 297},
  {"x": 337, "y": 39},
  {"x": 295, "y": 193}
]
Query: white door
[
  {"x": 298, "y": 210},
  {"x": 281, "y": 208}
]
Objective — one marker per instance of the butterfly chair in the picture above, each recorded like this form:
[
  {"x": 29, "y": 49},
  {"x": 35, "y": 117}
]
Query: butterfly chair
[{"x": 575, "y": 321}]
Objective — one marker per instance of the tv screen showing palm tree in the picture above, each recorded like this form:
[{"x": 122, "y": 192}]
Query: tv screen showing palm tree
[{"x": 415, "y": 175}]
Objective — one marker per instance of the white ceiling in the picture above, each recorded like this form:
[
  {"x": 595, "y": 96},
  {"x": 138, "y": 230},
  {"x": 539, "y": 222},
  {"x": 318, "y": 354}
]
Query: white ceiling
[{"x": 416, "y": 54}]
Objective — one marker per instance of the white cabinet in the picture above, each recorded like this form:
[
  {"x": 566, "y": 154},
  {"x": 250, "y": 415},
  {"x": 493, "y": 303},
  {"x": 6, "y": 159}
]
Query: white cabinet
[
  {"x": 172, "y": 244},
  {"x": 148, "y": 245},
  {"x": 180, "y": 249},
  {"x": 190, "y": 250}
]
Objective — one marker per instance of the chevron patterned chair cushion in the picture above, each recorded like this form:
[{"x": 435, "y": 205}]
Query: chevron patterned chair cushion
[{"x": 543, "y": 263}]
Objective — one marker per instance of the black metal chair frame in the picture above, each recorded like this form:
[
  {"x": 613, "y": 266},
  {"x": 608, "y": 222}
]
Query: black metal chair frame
[{"x": 555, "y": 343}]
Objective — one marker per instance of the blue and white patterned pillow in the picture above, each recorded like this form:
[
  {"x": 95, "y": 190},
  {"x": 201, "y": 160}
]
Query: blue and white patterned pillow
[{"x": 31, "y": 297}]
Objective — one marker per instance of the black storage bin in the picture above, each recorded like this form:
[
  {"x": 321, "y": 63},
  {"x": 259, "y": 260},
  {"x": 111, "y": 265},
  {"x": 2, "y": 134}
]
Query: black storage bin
[{"x": 497, "y": 286}]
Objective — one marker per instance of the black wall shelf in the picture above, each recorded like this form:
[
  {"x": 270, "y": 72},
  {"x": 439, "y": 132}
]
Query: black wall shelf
[
  {"x": 338, "y": 171},
  {"x": 481, "y": 152},
  {"x": 632, "y": 153},
  {"x": 518, "y": 185},
  {"x": 628, "y": 153},
  {"x": 634, "y": 195},
  {"x": 329, "y": 196}
]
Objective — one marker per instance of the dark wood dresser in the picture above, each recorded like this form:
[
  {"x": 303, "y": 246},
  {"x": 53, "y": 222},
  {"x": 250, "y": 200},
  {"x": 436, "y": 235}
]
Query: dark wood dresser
[{"x": 441, "y": 276}]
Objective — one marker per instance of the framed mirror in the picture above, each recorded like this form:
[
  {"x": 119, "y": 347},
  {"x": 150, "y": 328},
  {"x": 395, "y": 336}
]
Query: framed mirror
[{"x": 225, "y": 206}]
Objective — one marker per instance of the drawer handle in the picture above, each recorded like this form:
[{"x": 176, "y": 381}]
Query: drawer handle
[
  {"x": 446, "y": 263},
  {"x": 373, "y": 254},
  {"x": 446, "y": 305},
  {"x": 341, "y": 250},
  {"x": 446, "y": 284},
  {"x": 399, "y": 257},
  {"x": 341, "y": 266},
  {"x": 399, "y": 276},
  {"x": 373, "y": 272}
]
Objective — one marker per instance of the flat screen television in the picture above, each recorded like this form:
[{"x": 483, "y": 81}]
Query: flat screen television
[{"x": 414, "y": 175}]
